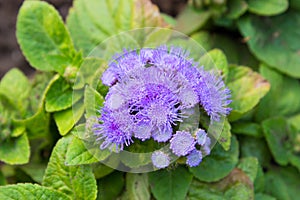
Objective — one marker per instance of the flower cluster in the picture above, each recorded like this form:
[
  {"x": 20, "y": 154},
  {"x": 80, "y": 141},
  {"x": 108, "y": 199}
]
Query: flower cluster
[{"x": 151, "y": 91}]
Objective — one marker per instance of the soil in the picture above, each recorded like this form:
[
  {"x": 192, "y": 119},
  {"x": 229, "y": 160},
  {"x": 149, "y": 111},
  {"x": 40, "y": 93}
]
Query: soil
[{"x": 10, "y": 54}]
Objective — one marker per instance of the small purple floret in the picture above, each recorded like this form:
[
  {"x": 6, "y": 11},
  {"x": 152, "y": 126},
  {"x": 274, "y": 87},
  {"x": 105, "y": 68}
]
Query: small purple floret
[
  {"x": 160, "y": 159},
  {"x": 201, "y": 137},
  {"x": 194, "y": 158},
  {"x": 182, "y": 143}
]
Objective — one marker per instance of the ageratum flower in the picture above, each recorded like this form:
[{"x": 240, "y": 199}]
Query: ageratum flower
[
  {"x": 150, "y": 92},
  {"x": 160, "y": 159}
]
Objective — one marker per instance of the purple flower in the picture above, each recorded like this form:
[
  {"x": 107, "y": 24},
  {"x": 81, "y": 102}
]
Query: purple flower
[
  {"x": 151, "y": 91},
  {"x": 160, "y": 159},
  {"x": 206, "y": 147},
  {"x": 182, "y": 143},
  {"x": 201, "y": 137},
  {"x": 194, "y": 158}
]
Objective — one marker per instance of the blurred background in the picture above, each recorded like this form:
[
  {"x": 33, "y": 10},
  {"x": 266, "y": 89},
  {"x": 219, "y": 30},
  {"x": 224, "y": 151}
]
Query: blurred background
[{"x": 10, "y": 54}]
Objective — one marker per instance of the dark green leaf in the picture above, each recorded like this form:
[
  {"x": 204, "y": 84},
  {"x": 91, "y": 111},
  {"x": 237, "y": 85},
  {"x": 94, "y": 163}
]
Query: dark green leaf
[
  {"x": 283, "y": 183},
  {"x": 78, "y": 182},
  {"x": 267, "y": 38},
  {"x": 249, "y": 165},
  {"x": 137, "y": 186},
  {"x": 277, "y": 133},
  {"x": 110, "y": 186},
  {"x": 170, "y": 184},
  {"x": 236, "y": 8},
  {"x": 247, "y": 128},
  {"x": 218, "y": 164},
  {"x": 280, "y": 100}
]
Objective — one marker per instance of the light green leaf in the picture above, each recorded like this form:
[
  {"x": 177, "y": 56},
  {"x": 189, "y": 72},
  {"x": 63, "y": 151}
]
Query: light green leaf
[
  {"x": 238, "y": 191},
  {"x": 268, "y": 38},
  {"x": 247, "y": 88},
  {"x": 84, "y": 152},
  {"x": 119, "y": 15},
  {"x": 78, "y": 182},
  {"x": 15, "y": 150},
  {"x": 170, "y": 184},
  {"x": 30, "y": 191},
  {"x": 268, "y": 7},
  {"x": 215, "y": 60},
  {"x": 280, "y": 101},
  {"x": 66, "y": 119},
  {"x": 15, "y": 87},
  {"x": 93, "y": 101},
  {"x": 225, "y": 137},
  {"x": 209, "y": 170},
  {"x": 196, "y": 18},
  {"x": 60, "y": 96},
  {"x": 110, "y": 186},
  {"x": 43, "y": 37},
  {"x": 236, "y": 8},
  {"x": 249, "y": 165},
  {"x": 137, "y": 186},
  {"x": 78, "y": 154}
]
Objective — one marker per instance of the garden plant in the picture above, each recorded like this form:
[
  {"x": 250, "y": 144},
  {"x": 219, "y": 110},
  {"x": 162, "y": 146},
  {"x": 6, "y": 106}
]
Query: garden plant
[{"x": 130, "y": 103}]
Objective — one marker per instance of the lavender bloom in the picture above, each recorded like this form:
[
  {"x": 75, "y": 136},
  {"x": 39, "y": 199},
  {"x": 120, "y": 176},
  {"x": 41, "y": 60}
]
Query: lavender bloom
[
  {"x": 182, "y": 143},
  {"x": 194, "y": 158},
  {"x": 151, "y": 91},
  {"x": 201, "y": 137},
  {"x": 160, "y": 159},
  {"x": 206, "y": 147}
]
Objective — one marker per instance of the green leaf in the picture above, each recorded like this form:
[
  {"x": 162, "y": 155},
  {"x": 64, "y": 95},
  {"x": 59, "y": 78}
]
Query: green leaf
[
  {"x": 170, "y": 184},
  {"x": 239, "y": 191},
  {"x": 78, "y": 154},
  {"x": 2, "y": 179},
  {"x": 236, "y": 8},
  {"x": 119, "y": 15},
  {"x": 247, "y": 88},
  {"x": 36, "y": 171},
  {"x": 110, "y": 186},
  {"x": 261, "y": 196},
  {"x": 30, "y": 191},
  {"x": 60, "y": 96},
  {"x": 15, "y": 150},
  {"x": 137, "y": 186},
  {"x": 225, "y": 137},
  {"x": 277, "y": 133},
  {"x": 100, "y": 170},
  {"x": 215, "y": 60},
  {"x": 66, "y": 119},
  {"x": 283, "y": 183},
  {"x": 203, "y": 191},
  {"x": 280, "y": 101},
  {"x": 255, "y": 147},
  {"x": 268, "y": 38},
  {"x": 93, "y": 101},
  {"x": 196, "y": 18},
  {"x": 43, "y": 37},
  {"x": 15, "y": 87},
  {"x": 268, "y": 7},
  {"x": 249, "y": 165},
  {"x": 218, "y": 164},
  {"x": 78, "y": 182},
  {"x": 247, "y": 128}
]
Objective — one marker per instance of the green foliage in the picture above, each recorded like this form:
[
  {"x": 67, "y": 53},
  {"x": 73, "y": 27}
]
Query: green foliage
[
  {"x": 172, "y": 184},
  {"x": 46, "y": 120}
]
